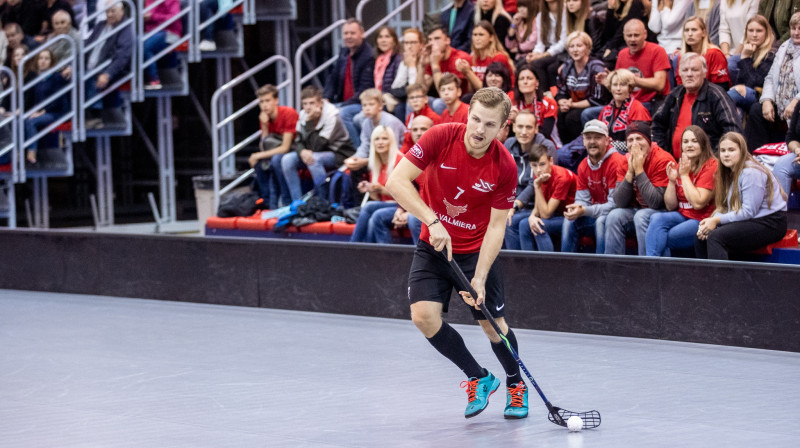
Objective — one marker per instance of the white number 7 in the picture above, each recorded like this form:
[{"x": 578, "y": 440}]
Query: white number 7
[{"x": 460, "y": 192}]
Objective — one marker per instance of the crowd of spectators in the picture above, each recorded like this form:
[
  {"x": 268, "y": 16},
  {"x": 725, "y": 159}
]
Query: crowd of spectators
[{"x": 621, "y": 121}]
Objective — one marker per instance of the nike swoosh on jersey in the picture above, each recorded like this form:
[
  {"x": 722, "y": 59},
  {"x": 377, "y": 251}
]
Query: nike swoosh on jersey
[{"x": 442, "y": 166}]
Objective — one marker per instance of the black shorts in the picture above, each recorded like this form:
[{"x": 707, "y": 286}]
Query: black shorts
[{"x": 432, "y": 279}]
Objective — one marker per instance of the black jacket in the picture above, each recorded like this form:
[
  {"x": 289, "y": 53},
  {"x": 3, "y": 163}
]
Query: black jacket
[
  {"x": 361, "y": 71},
  {"x": 118, "y": 47},
  {"x": 713, "y": 111}
]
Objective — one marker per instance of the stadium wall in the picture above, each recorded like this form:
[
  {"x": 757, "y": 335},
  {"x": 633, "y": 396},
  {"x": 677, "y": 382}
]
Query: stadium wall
[{"x": 728, "y": 303}]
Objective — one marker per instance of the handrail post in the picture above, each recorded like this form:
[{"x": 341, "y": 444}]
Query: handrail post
[{"x": 299, "y": 54}]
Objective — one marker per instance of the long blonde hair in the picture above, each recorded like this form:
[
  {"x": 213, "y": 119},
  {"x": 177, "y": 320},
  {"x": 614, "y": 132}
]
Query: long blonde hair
[
  {"x": 727, "y": 179},
  {"x": 375, "y": 164},
  {"x": 495, "y": 46},
  {"x": 614, "y": 5},
  {"x": 763, "y": 50},
  {"x": 577, "y": 22},
  {"x": 498, "y": 10}
]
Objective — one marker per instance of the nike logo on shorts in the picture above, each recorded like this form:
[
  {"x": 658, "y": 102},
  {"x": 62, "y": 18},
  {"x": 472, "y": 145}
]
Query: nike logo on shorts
[
  {"x": 500, "y": 307},
  {"x": 442, "y": 166}
]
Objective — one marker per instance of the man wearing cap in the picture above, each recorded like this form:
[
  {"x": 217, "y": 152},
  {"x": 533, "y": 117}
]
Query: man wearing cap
[
  {"x": 641, "y": 192},
  {"x": 698, "y": 102},
  {"x": 598, "y": 175}
]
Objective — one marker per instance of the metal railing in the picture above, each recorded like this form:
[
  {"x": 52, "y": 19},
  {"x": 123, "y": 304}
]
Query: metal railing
[
  {"x": 72, "y": 88},
  {"x": 127, "y": 24},
  {"x": 188, "y": 37},
  {"x": 298, "y": 58},
  {"x": 221, "y": 154},
  {"x": 417, "y": 13},
  {"x": 200, "y": 26},
  {"x": 9, "y": 119}
]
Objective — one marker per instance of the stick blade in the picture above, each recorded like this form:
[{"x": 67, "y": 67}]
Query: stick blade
[{"x": 560, "y": 416}]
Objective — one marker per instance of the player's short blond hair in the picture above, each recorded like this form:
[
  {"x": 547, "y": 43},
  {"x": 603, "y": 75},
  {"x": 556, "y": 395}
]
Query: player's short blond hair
[{"x": 493, "y": 97}]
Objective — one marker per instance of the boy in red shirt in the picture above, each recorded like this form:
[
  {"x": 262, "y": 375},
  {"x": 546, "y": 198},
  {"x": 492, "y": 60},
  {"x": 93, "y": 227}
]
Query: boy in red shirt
[
  {"x": 553, "y": 188},
  {"x": 641, "y": 192},
  {"x": 278, "y": 130},
  {"x": 418, "y": 101},
  {"x": 470, "y": 184},
  {"x": 449, "y": 91}
]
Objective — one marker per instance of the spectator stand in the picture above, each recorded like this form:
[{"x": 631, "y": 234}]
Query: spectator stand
[
  {"x": 175, "y": 82},
  {"x": 9, "y": 146},
  {"x": 222, "y": 138},
  {"x": 66, "y": 126},
  {"x": 103, "y": 203},
  {"x": 394, "y": 10},
  {"x": 280, "y": 13},
  {"x": 230, "y": 43}
]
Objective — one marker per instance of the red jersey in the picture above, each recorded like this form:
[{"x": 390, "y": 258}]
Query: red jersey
[
  {"x": 649, "y": 60},
  {"x": 461, "y": 189},
  {"x": 602, "y": 180},
  {"x": 703, "y": 179},
  {"x": 286, "y": 121},
  {"x": 449, "y": 66},
  {"x": 561, "y": 186},
  {"x": 655, "y": 168},
  {"x": 426, "y": 111},
  {"x": 717, "y": 67},
  {"x": 461, "y": 115},
  {"x": 684, "y": 120}
]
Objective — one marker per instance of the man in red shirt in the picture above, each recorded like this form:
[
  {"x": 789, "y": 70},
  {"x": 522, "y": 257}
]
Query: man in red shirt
[
  {"x": 442, "y": 59},
  {"x": 470, "y": 184},
  {"x": 648, "y": 58},
  {"x": 640, "y": 193},
  {"x": 278, "y": 130},
  {"x": 553, "y": 188},
  {"x": 455, "y": 111}
]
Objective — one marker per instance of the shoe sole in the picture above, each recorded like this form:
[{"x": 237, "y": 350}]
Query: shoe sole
[
  {"x": 513, "y": 417},
  {"x": 487, "y": 402}
]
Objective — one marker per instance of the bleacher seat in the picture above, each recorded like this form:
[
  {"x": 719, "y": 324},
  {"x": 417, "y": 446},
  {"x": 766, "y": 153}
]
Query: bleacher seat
[{"x": 788, "y": 241}]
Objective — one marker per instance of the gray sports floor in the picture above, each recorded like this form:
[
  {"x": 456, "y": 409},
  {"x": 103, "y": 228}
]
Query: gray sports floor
[{"x": 88, "y": 371}]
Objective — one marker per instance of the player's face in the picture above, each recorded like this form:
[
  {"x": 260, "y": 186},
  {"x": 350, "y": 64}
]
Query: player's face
[
  {"x": 449, "y": 93},
  {"x": 483, "y": 126},
  {"x": 756, "y": 34},
  {"x": 525, "y": 128},
  {"x": 542, "y": 166},
  {"x": 729, "y": 153},
  {"x": 418, "y": 127},
  {"x": 417, "y": 100},
  {"x": 689, "y": 145},
  {"x": 267, "y": 103},
  {"x": 370, "y": 108},
  {"x": 596, "y": 144}
]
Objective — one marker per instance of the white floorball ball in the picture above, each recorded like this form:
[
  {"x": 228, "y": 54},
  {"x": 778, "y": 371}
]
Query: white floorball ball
[{"x": 574, "y": 423}]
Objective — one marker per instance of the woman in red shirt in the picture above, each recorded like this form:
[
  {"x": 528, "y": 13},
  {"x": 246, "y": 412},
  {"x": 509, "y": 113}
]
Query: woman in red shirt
[
  {"x": 485, "y": 50},
  {"x": 695, "y": 40},
  {"x": 374, "y": 221},
  {"x": 688, "y": 198}
]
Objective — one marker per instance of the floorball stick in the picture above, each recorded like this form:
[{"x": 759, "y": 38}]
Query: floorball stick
[{"x": 556, "y": 415}]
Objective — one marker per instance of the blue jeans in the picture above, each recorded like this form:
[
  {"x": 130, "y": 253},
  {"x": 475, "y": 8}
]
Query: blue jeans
[
  {"x": 207, "y": 9},
  {"x": 152, "y": 46},
  {"x": 542, "y": 241},
  {"x": 291, "y": 162},
  {"x": 590, "y": 113},
  {"x": 670, "y": 230},
  {"x": 283, "y": 197},
  {"x": 621, "y": 221},
  {"x": 113, "y": 99},
  {"x": 571, "y": 231},
  {"x": 374, "y": 223},
  {"x": 415, "y": 227},
  {"x": 512, "y": 231},
  {"x": 743, "y": 103},
  {"x": 786, "y": 170},
  {"x": 347, "y": 113},
  {"x": 34, "y": 125}
]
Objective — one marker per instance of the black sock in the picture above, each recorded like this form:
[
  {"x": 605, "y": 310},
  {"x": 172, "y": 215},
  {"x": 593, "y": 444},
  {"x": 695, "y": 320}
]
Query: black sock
[
  {"x": 450, "y": 344},
  {"x": 509, "y": 363}
]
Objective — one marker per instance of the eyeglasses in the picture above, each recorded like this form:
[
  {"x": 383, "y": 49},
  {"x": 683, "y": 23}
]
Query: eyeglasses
[{"x": 410, "y": 42}]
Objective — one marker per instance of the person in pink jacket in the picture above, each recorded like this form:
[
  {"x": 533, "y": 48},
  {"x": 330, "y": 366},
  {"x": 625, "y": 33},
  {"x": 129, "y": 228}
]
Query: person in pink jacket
[{"x": 159, "y": 41}]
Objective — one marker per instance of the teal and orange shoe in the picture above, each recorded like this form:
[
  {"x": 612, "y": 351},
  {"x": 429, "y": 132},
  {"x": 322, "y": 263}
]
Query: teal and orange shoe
[
  {"x": 478, "y": 392},
  {"x": 516, "y": 401}
]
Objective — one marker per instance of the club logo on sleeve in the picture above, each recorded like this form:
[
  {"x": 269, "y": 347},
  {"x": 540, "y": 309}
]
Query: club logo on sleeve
[
  {"x": 416, "y": 151},
  {"x": 454, "y": 210},
  {"x": 483, "y": 186}
]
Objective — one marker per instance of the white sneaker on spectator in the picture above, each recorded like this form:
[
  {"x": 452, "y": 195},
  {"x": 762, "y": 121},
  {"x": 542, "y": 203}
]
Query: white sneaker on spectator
[{"x": 207, "y": 45}]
